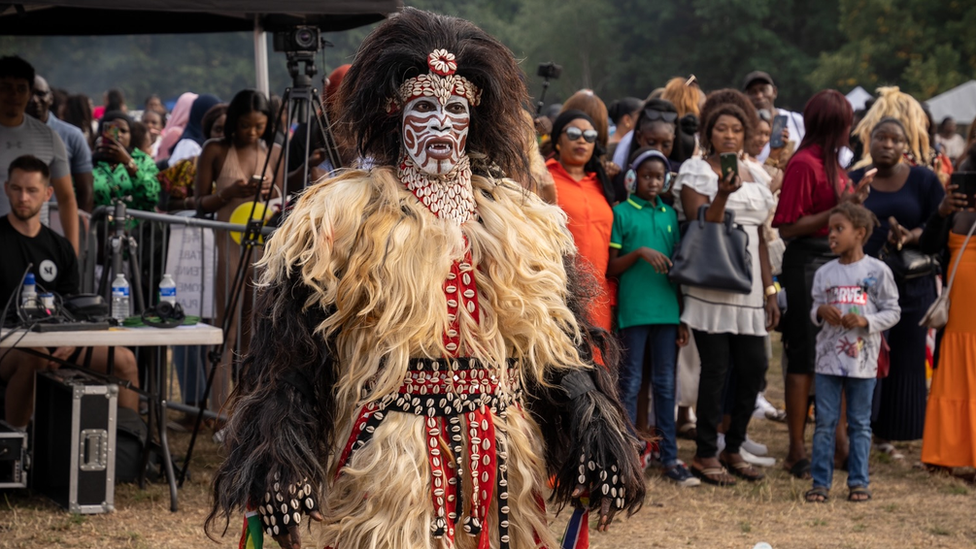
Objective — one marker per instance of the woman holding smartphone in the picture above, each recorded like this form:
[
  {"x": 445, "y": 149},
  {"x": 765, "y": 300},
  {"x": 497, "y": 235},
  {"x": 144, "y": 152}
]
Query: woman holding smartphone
[
  {"x": 813, "y": 183},
  {"x": 230, "y": 171},
  {"x": 729, "y": 328},
  {"x": 121, "y": 171},
  {"x": 950, "y": 432}
]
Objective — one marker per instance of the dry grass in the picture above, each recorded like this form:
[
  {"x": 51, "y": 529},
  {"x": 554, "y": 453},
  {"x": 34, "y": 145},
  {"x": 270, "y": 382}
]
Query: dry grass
[{"x": 911, "y": 508}]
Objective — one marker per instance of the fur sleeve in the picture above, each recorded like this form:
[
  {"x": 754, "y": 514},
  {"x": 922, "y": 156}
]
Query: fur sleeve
[
  {"x": 283, "y": 420},
  {"x": 587, "y": 434},
  {"x": 282, "y": 423}
]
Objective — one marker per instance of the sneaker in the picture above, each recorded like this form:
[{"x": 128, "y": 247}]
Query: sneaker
[
  {"x": 754, "y": 447},
  {"x": 752, "y": 459},
  {"x": 763, "y": 407},
  {"x": 680, "y": 475}
]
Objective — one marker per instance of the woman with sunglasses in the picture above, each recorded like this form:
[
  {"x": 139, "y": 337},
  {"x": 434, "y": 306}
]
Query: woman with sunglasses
[{"x": 584, "y": 192}]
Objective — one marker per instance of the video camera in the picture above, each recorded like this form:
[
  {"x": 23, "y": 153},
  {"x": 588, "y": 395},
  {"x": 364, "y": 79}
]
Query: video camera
[
  {"x": 300, "y": 39},
  {"x": 550, "y": 70}
]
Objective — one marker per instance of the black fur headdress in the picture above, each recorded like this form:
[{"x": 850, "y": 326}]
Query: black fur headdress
[{"x": 397, "y": 50}]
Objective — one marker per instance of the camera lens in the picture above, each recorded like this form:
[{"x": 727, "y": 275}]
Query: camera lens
[{"x": 305, "y": 39}]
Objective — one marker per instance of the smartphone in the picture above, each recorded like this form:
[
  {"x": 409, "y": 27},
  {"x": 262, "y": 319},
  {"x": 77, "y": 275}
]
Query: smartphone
[
  {"x": 729, "y": 163},
  {"x": 111, "y": 132},
  {"x": 776, "y": 133},
  {"x": 967, "y": 186}
]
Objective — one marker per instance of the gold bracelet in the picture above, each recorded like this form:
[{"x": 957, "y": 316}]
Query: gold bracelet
[{"x": 771, "y": 290}]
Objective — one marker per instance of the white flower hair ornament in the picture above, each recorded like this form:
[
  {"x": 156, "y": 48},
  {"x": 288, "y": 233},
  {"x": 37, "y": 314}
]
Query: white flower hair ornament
[{"x": 440, "y": 83}]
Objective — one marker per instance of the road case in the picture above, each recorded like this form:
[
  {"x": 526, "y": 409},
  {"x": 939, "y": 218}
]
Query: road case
[
  {"x": 75, "y": 417},
  {"x": 13, "y": 457}
]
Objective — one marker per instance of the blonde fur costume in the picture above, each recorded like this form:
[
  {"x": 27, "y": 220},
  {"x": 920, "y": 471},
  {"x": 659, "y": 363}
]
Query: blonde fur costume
[{"x": 365, "y": 397}]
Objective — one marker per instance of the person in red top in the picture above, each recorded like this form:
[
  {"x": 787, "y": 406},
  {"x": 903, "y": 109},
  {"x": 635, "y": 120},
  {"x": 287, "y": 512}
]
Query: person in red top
[
  {"x": 813, "y": 183},
  {"x": 584, "y": 192}
]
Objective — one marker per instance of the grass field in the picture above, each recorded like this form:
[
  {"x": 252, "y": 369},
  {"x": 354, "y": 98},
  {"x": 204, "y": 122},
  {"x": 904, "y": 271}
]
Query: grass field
[{"x": 911, "y": 508}]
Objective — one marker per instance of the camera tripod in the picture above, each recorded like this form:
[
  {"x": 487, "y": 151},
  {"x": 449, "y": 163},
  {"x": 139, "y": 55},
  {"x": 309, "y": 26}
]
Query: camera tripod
[{"x": 303, "y": 105}]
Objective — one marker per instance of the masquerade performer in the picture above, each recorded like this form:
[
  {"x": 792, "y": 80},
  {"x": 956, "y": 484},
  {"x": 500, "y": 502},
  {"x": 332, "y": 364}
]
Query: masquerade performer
[{"x": 422, "y": 368}]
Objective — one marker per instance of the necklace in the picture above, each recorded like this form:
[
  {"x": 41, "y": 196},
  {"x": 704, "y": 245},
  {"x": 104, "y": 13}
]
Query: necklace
[{"x": 447, "y": 196}]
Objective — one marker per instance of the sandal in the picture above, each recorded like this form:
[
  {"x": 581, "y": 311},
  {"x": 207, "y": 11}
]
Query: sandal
[
  {"x": 800, "y": 469},
  {"x": 716, "y": 476},
  {"x": 859, "y": 494},
  {"x": 743, "y": 470},
  {"x": 819, "y": 494}
]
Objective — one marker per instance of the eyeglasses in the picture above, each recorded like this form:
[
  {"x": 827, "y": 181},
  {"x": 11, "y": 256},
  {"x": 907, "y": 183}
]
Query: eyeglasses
[
  {"x": 574, "y": 133},
  {"x": 652, "y": 114}
]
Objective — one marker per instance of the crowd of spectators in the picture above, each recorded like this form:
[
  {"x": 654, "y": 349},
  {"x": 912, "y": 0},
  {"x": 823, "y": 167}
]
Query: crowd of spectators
[{"x": 817, "y": 189}]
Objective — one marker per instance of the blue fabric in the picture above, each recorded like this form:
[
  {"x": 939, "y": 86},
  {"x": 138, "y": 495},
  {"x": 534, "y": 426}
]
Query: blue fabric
[
  {"x": 189, "y": 362},
  {"x": 661, "y": 342},
  {"x": 859, "y": 393},
  {"x": 194, "y": 127},
  {"x": 79, "y": 155},
  {"x": 911, "y": 205}
]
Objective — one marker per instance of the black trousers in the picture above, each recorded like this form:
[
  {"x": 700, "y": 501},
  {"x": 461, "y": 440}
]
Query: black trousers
[
  {"x": 800, "y": 263},
  {"x": 746, "y": 355}
]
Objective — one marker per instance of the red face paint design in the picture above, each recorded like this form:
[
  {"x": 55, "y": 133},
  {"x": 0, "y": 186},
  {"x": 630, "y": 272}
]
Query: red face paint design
[{"x": 435, "y": 133}]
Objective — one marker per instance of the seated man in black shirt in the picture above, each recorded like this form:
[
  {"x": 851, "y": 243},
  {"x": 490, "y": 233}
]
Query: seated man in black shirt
[{"x": 25, "y": 241}]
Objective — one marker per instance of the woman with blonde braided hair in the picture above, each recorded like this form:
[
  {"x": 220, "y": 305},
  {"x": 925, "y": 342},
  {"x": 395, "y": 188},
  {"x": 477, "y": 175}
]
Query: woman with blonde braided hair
[
  {"x": 421, "y": 364},
  {"x": 919, "y": 150}
]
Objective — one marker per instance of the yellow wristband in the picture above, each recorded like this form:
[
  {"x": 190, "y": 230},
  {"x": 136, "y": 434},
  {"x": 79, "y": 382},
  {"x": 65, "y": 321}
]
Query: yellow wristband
[{"x": 771, "y": 290}]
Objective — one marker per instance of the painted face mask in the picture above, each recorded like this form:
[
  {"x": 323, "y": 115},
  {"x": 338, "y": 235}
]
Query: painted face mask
[
  {"x": 435, "y": 132},
  {"x": 436, "y": 110}
]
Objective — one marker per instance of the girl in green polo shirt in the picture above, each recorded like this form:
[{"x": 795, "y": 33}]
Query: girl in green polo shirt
[{"x": 644, "y": 237}]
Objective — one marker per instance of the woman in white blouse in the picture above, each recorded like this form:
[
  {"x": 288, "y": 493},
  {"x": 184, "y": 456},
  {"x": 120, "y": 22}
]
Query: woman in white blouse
[{"x": 729, "y": 328}]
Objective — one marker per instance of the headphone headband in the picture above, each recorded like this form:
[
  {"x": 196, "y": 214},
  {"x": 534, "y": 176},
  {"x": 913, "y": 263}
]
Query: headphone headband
[{"x": 648, "y": 154}]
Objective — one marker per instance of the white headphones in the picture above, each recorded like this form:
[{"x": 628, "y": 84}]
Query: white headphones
[{"x": 630, "y": 179}]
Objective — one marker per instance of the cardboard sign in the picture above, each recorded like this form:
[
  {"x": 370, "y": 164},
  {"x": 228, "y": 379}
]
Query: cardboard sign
[{"x": 191, "y": 260}]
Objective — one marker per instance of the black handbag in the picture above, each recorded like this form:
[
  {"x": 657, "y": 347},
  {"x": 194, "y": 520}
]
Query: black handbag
[
  {"x": 909, "y": 263},
  {"x": 713, "y": 255}
]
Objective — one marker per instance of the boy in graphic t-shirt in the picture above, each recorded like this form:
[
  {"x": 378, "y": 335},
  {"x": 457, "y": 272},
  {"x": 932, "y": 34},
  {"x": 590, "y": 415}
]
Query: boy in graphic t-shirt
[{"x": 855, "y": 299}]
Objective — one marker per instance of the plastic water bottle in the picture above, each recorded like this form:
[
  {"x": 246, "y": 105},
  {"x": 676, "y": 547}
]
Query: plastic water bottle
[
  {"x": 167, "y": 289},
  {"x": 28, "y": 294},
  {"x": 120, "y": 298}
]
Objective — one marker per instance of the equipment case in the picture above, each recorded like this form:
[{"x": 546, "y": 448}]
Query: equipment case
[
  {"x": 75, "y": 416},
  {"x": 13, "y": 457}
]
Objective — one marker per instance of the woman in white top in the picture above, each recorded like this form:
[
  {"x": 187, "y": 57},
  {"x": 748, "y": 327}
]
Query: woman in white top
[{"x": 729, "y": 328}]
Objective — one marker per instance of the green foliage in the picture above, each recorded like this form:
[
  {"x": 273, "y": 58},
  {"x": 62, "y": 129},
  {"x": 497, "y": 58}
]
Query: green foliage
[
  {"x": 923, "y": 47},
  {"x": 616, "y": 47}
]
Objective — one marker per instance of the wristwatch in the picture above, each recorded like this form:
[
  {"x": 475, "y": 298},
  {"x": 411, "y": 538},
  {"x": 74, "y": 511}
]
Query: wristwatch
[{"x": 771, "y": 290}]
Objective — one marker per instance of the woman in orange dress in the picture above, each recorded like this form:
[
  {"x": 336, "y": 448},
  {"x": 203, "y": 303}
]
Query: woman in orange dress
[
  {"x": 950, "y": 420},
  {"x": 584, "y": 192}
]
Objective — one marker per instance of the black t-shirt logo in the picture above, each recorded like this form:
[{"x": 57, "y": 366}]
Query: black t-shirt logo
[{"x": 48, "y": 270}]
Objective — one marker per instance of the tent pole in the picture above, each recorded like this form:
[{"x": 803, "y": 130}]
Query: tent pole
[{"x": 261, "y": 57}]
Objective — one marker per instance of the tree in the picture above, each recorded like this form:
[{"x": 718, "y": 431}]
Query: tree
[{"x": 923, "y": 47}]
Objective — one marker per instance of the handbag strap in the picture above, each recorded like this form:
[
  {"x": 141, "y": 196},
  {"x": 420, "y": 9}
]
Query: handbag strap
[{"x": 955, "y": 264}]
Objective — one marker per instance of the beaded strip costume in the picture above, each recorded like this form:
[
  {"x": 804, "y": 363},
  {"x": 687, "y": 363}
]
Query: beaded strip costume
[{"x": 421, "y": 365}]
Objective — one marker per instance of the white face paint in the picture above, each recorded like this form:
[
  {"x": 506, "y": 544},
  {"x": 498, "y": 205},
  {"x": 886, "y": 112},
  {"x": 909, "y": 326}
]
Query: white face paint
[{"x": 435, "y": 134}]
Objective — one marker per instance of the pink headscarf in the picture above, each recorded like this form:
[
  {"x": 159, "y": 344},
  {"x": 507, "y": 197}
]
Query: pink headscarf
[{"x": 175, "y": 124}]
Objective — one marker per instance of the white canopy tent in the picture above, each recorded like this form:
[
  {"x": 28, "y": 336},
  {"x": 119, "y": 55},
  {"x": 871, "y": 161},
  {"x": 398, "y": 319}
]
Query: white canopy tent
[
  {"x": 858, "y": 97},
  {"x": 108, "y": 17},
  {"x": 959, "y": 103}
]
